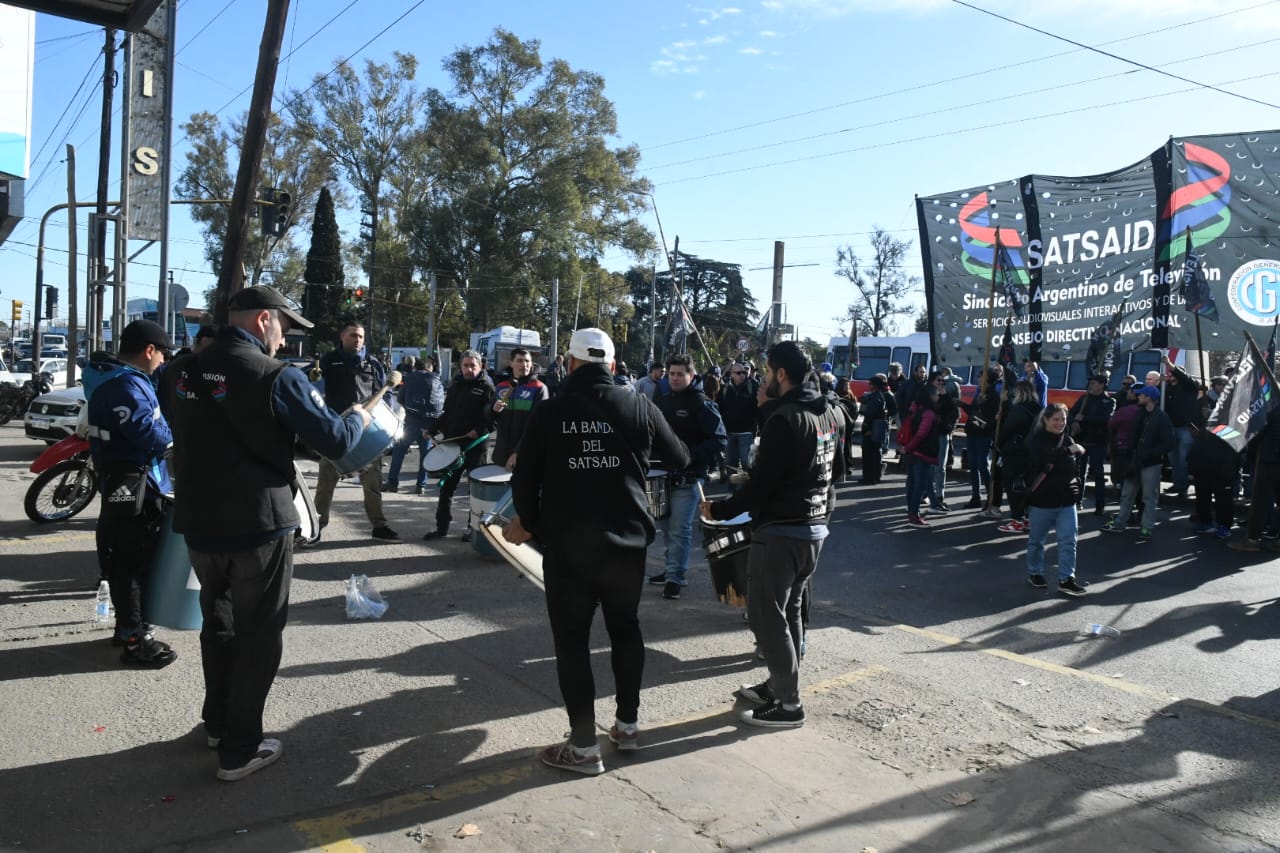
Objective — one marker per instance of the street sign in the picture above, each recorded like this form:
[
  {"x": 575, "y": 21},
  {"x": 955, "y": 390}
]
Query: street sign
[{"x": 742, "y": 344}]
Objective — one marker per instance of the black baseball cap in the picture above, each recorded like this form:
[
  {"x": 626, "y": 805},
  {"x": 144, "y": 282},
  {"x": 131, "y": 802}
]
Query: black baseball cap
[
  {"x": 139, "y": 333},
  {"x": 260, "y": 296}
]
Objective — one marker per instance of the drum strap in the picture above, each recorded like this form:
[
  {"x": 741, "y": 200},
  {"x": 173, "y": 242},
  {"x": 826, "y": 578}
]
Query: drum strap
[{"x": 457, "y": 464}]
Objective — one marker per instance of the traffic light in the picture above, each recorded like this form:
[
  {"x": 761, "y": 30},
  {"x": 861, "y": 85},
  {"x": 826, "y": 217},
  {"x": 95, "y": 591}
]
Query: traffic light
[
  {"x": 283, "y": 210},
  {"x": 359, "y": 295},
  {"x": 346, "y": 296},
  {"x": 50, "y": 301},
  {"x": 267, "y": 210},
  {"x": 17, "y": 312}
]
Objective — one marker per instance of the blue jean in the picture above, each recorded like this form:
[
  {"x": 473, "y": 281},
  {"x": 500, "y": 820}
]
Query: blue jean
[
  {"x": 1149, "y": 481},
  {"x": 938, "y": 473},
  {"x": 978, "y": 452},
  {"x": 677, "y": 529},
  {"x": 1061, "y": 519},
  {"x": 412, "y": 435},
  {"x": 738, "y": 451},
  {"x": 918, "y": 482},
  {"x": 1181, "y": 476}
]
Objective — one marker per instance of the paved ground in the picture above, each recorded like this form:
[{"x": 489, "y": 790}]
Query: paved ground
[{"x": 946, "y": 711}]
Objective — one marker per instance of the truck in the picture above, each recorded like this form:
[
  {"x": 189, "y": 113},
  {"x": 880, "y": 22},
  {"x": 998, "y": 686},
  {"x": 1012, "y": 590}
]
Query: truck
[{"x": 496, "y": 345}]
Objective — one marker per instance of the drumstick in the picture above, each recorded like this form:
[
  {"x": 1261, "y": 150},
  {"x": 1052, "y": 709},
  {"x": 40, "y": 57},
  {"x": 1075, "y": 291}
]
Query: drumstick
[{"x": 393, "y": 379}]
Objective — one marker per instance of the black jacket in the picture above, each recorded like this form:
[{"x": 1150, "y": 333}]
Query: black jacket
[
  {"x": 580, "y": 480},
  {"x": 696, "y": 421},
  {"x": 468, "y": 405},
  {"x": 738, "y": 406},
  {"x": 1050, "y": 455},
  {"x": 1183, "y": 399},
  {"x": 797, "y": 464},
  {"x": 982, "y": 412},
  {"x": 1155, "y": 438},
  {"x": 1092, "y": 412},
  {"x": 349, "y": 378}
]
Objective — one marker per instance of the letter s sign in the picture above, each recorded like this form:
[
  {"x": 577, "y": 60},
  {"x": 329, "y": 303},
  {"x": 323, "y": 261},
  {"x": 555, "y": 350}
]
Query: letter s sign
[{"x": 146, "y": 161}]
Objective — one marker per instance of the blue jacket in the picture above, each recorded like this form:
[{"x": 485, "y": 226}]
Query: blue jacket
[{"x": 125, "y": 423}]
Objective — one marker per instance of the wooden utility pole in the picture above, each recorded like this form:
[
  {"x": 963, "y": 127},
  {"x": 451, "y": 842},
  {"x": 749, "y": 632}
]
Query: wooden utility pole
[
  {"x": 775, "y": 308},
  {"x": 231, "y": 275},
  {"x": 73, "y": 252},
  {"x": 98, "y": 284}
]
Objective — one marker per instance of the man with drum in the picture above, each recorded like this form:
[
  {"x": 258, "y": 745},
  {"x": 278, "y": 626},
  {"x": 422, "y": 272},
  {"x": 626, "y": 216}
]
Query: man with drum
[
  {"x": 696, "y": 421},
  {"x": 468, "y": 415},
  {"x": 516, "y": 398},
  {"x": 580, "y": 489},
  {"x": 422, "y": 397},
  {"x": 790, "y": 495},
  {"x": 237, "y": 410},
  {"x": 351, "y": 376},
  {"x": 738, "y": 408}
]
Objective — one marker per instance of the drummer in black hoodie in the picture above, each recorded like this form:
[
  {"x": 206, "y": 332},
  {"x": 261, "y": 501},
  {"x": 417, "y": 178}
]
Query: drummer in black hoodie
[
  {"x": 790, "y": 495},
  {"x": 590, "y": 448},
  {"x": 468, "y": 412}
]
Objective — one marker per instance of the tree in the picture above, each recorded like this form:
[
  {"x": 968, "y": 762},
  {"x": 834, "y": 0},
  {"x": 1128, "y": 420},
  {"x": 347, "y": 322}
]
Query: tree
[
  {"x": 883, "y": 284},
  {"x": 525, "y": 188},
  {"x": 325, "y": 276},
  {"x": 290, "y": 162},
  {"x": 368, "y": 126},
  {"x": 719, "y": 304},
  {"x": 922, "y": 319}
]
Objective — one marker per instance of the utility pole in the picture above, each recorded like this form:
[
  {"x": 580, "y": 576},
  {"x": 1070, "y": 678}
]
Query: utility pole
[
  {"x": 431, "y": 314},
  {"x": 73, "y": 251},
  {"x": 653, "y": 313},
  {"x": 96, "y": 298},
  {"x": 776, "y": 308},
  {"x": 231, "y": 275},
  {"x": 555, "y": 318}
]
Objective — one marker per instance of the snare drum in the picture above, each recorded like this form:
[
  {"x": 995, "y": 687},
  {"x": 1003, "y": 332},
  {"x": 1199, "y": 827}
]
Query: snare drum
[
  {"x": 489, "y": 484},
  {"x": 657, "y": 489},
  {"x": 727, "y": 544},
  {"x": 384, "y": 429},
  {"x": 440, "y": 457},
  {"x": 525, "y": 558}
]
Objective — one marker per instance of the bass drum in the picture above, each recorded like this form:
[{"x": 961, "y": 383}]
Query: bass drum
[
  {"x": 726, "y": 544},
  {"x": 526, "y": 559},
  {"x": 440, "y": 457},
  {"x": 384, "y": 429},
  {"x": 488, "y": 484},
  {"x": 308, "y": 518}
]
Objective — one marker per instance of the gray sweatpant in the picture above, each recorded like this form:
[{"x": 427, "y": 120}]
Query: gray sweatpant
[{"x": 778, "y": 567}]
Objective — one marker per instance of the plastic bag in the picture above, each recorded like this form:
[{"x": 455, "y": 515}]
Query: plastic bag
[{"x": 363, "y": 601}]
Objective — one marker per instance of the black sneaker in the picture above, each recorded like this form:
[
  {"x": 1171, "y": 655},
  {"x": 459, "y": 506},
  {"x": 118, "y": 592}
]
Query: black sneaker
[
  {"x": 758, "y": 693},
  {"x": 387, "y": 488},
  {"x": 974, "y": 503},
  {"x": 466, "y": 535},
  {"x": 671, "y": 590},
  {"x": 384, "y": 532},
  {"x": 268, "y": 752},
  {"x": 773, "y": 716},
  {"x": 1071, "y": 587},
  {"x": 438, "y": 533},
  {"x": 658, "y": 579},
  {"x": 120, "y": 637},
  {"x": 1144, "y": 535},
  {"x": 940, "y": 508},
  {"x": 1037, "y": 581},
  {"x": 146, "y": 651}
]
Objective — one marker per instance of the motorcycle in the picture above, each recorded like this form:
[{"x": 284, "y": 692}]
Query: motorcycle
[
  {"x": 67, "y": 482},
  {"x": 14, "y": 399}
]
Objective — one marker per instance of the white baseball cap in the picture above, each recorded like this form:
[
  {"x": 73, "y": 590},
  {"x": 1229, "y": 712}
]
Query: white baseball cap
[{"x": 591, "y": 345}]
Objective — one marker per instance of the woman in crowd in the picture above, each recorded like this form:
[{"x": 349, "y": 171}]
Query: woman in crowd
[
  {"x": 920, "y": 451},
  {"x": 1015, "y": 426},
  {"x": 979, "y": 433},
  {"x": 1052, "y": 491}
]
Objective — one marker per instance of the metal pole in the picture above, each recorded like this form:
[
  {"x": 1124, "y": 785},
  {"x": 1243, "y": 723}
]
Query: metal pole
[
  {"x": 104, "y": 179},
  {"x": 653, "y": 312},
  {"x": 431, "y": 314},
  {"x": 120, "y": 294},
  {"x": 776, "y": 308},
  {"x": 73, "y": 249},
  {"x": 577, "y": 308},
  {"x": 231, "y": 275},
  {"x": 555, "y": 317},
  {"x": 166, "y": 155}
]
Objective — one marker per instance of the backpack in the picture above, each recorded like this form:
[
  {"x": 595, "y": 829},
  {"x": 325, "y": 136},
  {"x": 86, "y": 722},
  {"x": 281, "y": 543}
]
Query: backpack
[{"x": 907, "y": 429}]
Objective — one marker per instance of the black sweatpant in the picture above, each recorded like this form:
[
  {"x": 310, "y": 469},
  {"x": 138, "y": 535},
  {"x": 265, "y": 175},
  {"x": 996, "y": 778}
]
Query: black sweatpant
[
  {"x": 244, "y": 597},
  {"x": 871, "y": 453},
  {"x": 577, "y": 580},
  {"x": 126, "y": 547},
  {"x": 475, "y": 457}
]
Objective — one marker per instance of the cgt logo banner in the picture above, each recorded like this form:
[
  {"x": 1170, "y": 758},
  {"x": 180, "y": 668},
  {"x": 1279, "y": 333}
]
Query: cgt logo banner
[
  {"x": 1242, "y": 409},
  {"x": 1108, "y": 250}
]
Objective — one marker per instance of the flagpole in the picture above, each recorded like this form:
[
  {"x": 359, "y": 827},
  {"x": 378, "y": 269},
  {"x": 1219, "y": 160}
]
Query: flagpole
[
  {"x": 1199, "y": 340},
  {"x": 991, "y": 310}
]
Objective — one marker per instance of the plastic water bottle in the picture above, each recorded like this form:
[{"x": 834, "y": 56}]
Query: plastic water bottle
[
  {"x": 102, "y": 603},
  {"x": 1100, "y": 630}
]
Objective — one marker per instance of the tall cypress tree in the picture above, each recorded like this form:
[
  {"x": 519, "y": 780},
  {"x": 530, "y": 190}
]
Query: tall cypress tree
[{"x": 324, "y": 275}]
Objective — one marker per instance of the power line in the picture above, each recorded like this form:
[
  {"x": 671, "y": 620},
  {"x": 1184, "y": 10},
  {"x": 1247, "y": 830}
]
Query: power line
[
  {"x": 1116, "y": 56},
  {"x": 208, "y": 24},
  {"x": 955, "y": 79},
  {"x": 957, "y": 132}
]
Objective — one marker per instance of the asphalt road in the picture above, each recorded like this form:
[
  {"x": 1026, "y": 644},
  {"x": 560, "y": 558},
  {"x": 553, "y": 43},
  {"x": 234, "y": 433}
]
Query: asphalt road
[{"x": 951, "y": 706}]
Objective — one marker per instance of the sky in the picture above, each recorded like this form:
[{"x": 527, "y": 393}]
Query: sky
[{"x": 806, "y": 121}]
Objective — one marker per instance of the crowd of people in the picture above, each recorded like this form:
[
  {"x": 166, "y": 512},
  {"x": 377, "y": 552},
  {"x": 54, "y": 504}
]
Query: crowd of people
[{"x": 584, "y": 442}]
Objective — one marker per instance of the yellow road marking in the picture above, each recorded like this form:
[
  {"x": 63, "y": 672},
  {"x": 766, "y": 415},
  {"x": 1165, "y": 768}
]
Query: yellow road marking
[
  {"x": 332, "y": 832},
  {"x": 52, "y": 539}
]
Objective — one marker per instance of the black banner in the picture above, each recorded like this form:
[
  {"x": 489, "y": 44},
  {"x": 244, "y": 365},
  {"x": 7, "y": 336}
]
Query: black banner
[{"x": 1103, "y": 257}]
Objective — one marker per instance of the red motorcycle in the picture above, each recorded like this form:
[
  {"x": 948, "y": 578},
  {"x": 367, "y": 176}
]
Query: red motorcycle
[{"x": 67, "y": 482}]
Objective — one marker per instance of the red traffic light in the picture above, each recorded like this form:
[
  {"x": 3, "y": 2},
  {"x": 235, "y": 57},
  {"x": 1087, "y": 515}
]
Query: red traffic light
[{"x": 359, "y": 294}]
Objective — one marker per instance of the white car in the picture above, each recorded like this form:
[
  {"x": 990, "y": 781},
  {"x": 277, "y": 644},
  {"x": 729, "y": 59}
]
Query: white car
[
  {"x": 52, "y": 417},
  {"x": 55, "y": 366},
  {"x": 6, "y": 377}
]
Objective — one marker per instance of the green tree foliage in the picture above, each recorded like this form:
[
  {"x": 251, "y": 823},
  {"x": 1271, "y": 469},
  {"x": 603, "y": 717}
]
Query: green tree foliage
[
  {"x": 290, "y": 162},
  {"x": 883, "y": 286},
  {"x": 524, "y": 184},
  {"x": 324, "y": 273},
  {"x": 718, "y": 303}
]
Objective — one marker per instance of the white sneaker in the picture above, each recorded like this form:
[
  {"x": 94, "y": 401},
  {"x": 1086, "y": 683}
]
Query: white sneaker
[{"x": 268, "y": 752}]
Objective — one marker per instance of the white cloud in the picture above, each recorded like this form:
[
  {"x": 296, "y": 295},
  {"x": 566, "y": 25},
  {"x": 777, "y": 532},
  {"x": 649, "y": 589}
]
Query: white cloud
[
  {"x": 715, "y": 40},
  {"x": 698, "y": 94},
  {"x": 767, "y": 34},
  {"x": 773, "y": 5},
  {"x": 751, "y": 51}
]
